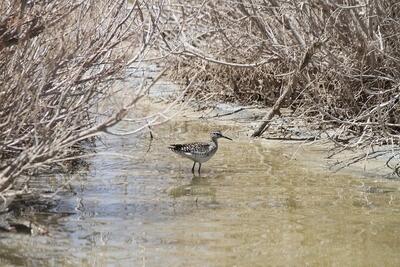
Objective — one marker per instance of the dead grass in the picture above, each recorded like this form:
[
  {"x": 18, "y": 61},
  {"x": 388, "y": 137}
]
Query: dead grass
[{"x": 335, "y": 62}]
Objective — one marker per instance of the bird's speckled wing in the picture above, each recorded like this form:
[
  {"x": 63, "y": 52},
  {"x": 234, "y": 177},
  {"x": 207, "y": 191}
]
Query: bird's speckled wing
[{"x": 192, "y": 148}]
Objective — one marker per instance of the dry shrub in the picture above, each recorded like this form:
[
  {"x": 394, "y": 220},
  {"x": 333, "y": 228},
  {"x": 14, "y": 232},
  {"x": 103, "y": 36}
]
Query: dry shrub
[
  {"x": 246, "y": 86},
  {"x": 58, "y": 59},
  {"x": 340, "y": 58}
]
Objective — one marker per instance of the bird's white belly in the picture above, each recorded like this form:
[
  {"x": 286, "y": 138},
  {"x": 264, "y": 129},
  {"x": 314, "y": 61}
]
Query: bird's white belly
[{"x": 199, "y": 157}]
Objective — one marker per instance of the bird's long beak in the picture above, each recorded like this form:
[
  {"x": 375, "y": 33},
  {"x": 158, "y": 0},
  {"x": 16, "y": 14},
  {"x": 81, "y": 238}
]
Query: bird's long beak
[{"x": 226, "y": 137}]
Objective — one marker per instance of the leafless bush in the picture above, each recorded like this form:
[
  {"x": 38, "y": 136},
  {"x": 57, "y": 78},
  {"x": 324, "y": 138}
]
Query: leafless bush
[
  {"x": 333, "y": 61},
  {"x": 58, "y": 59}
]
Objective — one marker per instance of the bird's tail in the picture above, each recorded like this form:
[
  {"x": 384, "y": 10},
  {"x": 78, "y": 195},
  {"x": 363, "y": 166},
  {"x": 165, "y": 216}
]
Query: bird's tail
[{"x": 174, "y": 147}]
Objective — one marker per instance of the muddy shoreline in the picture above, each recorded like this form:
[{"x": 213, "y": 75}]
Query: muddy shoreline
[{"x": 306, "y": 145}]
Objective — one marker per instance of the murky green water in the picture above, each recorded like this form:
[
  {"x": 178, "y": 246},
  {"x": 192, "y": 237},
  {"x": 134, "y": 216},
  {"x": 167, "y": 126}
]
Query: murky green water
[{"x": 251, "y": 207}]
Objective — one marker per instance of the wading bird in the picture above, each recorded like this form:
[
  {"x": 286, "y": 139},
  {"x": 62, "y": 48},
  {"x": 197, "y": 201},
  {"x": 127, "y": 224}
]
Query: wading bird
[{"x": 199, "y": 152}]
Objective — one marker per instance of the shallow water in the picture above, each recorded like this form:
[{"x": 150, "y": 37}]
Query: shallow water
[{"x": 252, "y": 206}]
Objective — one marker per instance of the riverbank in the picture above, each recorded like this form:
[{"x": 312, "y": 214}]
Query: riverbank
[{"x": 299, "y": 141}]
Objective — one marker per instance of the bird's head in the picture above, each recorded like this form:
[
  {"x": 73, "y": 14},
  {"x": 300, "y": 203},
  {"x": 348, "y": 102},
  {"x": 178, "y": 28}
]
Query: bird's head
[{"x": 217, "y": 134}]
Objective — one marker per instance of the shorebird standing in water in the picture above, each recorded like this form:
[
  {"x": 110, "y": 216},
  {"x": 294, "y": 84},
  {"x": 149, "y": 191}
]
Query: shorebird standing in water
[{"x": 199, "y": 152}]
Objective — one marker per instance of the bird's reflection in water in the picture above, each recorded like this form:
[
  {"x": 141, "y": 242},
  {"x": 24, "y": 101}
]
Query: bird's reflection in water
[{"x": 201, "y": 190}]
